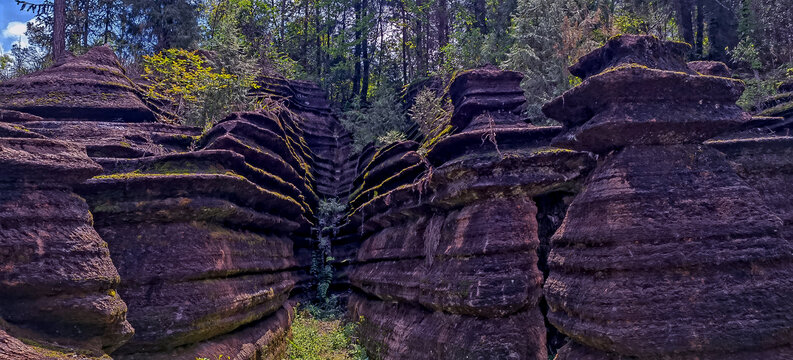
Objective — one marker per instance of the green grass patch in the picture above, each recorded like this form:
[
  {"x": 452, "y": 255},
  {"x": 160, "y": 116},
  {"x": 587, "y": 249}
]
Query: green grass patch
[{"x": 323, "y": 339}]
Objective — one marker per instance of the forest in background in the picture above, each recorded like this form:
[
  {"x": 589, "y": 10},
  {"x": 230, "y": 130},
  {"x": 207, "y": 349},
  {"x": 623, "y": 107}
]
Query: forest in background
[{"x": 364, "y": 52}]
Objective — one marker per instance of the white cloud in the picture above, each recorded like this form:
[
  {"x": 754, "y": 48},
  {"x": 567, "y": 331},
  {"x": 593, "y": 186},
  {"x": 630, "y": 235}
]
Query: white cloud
[{"x": 15, "y": 30}]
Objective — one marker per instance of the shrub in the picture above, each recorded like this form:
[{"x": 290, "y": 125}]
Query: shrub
[
  {"x": 196, "y": 91},
  {"x": 314, "y": 339},
  {"x": 432, "y": 114},
  {"x": 391, "y": 137},
  {"x": 368, "y": 123}
]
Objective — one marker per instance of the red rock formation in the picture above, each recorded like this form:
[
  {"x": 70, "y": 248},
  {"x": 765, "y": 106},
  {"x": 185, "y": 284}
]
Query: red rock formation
[
  {"x": 227, "y": 220},
  {"x": 201, "y": 228},
  {"x": 93, "y": 86},
  {"x": 713, "y": 68},
  {"x": 447, "y": 268},
  {"x": 779, "y": 105},
  {"x": 57, "y": 281},
  {"x": 330, "y": 143},
  {"x": 666, "y": 253}
]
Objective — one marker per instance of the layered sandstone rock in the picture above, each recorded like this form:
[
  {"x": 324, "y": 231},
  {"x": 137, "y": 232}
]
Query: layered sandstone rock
[
  {"x": 226, "y": 211},
  {"x": 329, "y": 141},
  {"x": 765, "y": 163},
  {"x": 200, "y": 226},
  {"x": 447, "y": 268},
  {"x": 779, "y": 105},
  {"x": 57, "y": 281},
  {"x": 666, "y": 253},
  {"x": 92, "y": 86},
  {"x": 712, "y": 68}
]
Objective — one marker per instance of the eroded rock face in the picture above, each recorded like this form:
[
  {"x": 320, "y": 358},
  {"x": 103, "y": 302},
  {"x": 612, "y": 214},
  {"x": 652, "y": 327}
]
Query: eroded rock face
[
  {"x": 57, "y": 281},
  {"x": 92, "y": 86},
  {"x": 200, "y": 225},
  {"x": 226, "y": 211},
  {"x": 666, "y": 253},
  {"x": 447, "y": 267},
  {"x": 765, "y": 163},
  {"x": 712, "y": 68},
  {"x": 779, "y": 105},
  {"x": 331, "y": 144}
]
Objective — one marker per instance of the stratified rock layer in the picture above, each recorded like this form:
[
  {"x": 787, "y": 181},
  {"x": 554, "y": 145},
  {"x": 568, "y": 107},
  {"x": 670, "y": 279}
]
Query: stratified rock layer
[
  {"x": 447, "y": 266},
  {"x": 93, "y": 86},
  {"x": 228, "y": 222},
  {"x": 779, "y": 105},
  {"x": 765, "y": 163},
  {"x": 329, "y": 141},
  {"x": 666, "y": 253},
  {"x": 201, "y": 226},
  {"x": 57, "y": 281}
]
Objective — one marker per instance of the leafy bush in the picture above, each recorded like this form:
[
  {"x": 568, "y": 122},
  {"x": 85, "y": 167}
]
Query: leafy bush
[
  {"x": 368, "y": 123},
  {"x": 314, "y": 339},
  {"x": 758, "y": 88},
  {"x": 432, "y": 114},
  {"x": 391, "y": 137},
  {"x": 196, "y": 90}
]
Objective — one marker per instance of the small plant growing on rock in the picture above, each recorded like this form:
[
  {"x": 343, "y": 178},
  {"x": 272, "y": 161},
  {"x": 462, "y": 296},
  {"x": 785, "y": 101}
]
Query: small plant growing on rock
[
  {"x": 391, "y": 137},
  {"x": 369, "y": 122},
  {"x": 432, "y": 113}
]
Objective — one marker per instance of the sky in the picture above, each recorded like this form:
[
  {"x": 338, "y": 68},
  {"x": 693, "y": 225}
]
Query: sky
[{"x": 12, "y": 25}]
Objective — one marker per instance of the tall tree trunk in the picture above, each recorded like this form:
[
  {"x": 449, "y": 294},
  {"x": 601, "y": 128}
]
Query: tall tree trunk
[
  {"x": 405, "y": 76},
  {"x": 683, "y": 10},
  {"x": 282, "y": 28},
  {"x": 421, "y": 54},
  {"x": 59, "y": 30},
  {"x": 480, "y": 10},
  {"x": 318, "y": 41},
  {"x": 443, "y": 26},
  {"x": 722, "y": 30},
  {"x": 86, "y": 25},
  {"x": 108, "y": 20},
  {"x": 305, "y": 35},
  {"x": 700, "y": 26},
  {"x": 365, "y": 52},
  {"x": 356, "y": 77}
]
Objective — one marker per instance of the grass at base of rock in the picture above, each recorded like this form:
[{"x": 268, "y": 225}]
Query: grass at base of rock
[{"x": 323, "y": 339}]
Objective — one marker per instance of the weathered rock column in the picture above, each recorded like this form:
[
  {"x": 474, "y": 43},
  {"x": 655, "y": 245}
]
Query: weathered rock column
[
  {"x": 57, "y": 282},
  {"x": 448, "y": 267},
  {"x": 666, "y": 253}
]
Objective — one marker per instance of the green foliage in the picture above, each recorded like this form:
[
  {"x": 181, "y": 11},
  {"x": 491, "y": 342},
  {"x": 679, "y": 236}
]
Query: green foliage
[
  {"x": 537, "y": 29},
  {"x": 330, "y": 209},
  {"x": 391, "y": 137},
  {"x": 197, "y": 91},
  {"x": 746, "y": 52},
  {"x": 329, "y": 212},
  {"x": 368, "y": 123},
  {"x": 758, "y": 88},
  {"x": 755, "y": 91},
  {"x": 431, "y": 113},
  {"x": 6, "y": 67},
  {"x": 323, "y": 339}
]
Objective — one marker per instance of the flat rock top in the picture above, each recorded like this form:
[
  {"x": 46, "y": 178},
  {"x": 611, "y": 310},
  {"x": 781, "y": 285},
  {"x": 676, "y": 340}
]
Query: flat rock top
[
  {"x": 643, "y": 50},
  {"x": 45, "y": 160}
]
